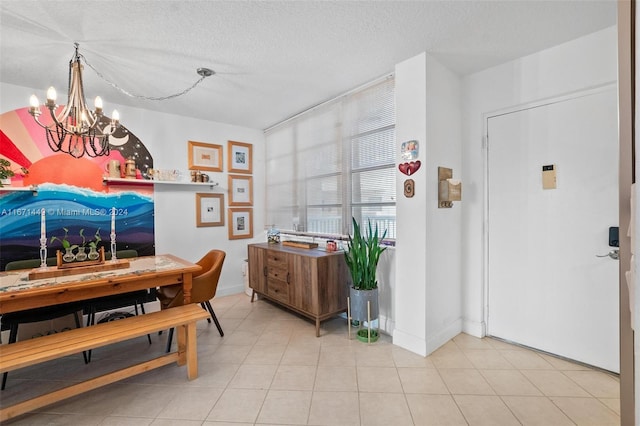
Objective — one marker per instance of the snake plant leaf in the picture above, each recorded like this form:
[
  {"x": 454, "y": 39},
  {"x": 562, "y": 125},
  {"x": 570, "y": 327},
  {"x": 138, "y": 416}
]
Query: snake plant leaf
[{"x": 363, "y": 254}]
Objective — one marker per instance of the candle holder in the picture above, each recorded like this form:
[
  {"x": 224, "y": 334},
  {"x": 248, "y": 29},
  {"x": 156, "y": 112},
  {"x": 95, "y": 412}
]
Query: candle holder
[
  {"x": 113, "y": 247},
  {"x": 43, "y": 253}
]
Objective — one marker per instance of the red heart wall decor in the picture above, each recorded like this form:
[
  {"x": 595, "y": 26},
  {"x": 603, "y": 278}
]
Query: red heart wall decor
[{"x": 410, "y": 167}]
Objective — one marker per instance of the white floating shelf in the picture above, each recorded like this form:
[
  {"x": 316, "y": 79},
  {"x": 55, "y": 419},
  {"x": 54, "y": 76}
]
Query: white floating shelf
[
  {"x": 32, "y": 188},
  {"x": 157, "y": 182}
]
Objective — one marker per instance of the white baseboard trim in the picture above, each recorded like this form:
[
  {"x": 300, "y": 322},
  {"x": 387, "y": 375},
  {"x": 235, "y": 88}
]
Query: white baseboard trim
[
  {"x": 443, "y": 336},
  {"x": 387, "y": 325},
  {"x": 474, "y": 328},
  {"x": 228, "y": 291},
  {"x": 409, "y": 342}
]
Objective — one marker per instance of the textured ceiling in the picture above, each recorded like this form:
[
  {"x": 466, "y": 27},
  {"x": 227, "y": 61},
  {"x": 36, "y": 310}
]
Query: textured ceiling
[{"x": 272, "y": 59}]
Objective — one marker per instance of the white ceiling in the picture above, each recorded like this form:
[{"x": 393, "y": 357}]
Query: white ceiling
[{"x": 273, "y": 59}]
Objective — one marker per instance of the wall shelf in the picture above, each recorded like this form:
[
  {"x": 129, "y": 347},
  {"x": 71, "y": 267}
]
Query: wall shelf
[
  {"x": 32, "y": 188},
  {"x": 108, "y": 180}
]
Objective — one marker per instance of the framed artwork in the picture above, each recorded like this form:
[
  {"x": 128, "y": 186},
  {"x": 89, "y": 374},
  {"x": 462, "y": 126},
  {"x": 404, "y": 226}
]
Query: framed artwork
[
  {"x": 240, "y": 157},
  {"x": 240, "y": 223},
  {"x": 205, "y": 156},
  {"x": 240, "y": 190},
  {"x": 209, "y": 210}
]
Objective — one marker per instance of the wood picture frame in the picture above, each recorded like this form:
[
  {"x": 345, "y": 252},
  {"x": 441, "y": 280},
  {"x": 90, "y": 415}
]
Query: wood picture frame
[
  {"x": 209, "y": 209},
  {"x": 205, "y": 156},
  {"x": 240, "y": 223},
  {"x": 240, "y": 157},
  {"x": 240, "y": 190}
]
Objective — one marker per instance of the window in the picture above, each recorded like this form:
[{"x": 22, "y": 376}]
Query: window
[{"x": 333, "y": 162}]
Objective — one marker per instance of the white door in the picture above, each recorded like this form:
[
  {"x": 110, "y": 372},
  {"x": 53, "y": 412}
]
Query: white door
[{"x": 546, "y": 287}]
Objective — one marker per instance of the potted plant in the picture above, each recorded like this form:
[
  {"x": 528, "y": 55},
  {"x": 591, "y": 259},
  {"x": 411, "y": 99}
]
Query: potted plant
[
  {"x": 362, "y": 256},
  {"x": 68, "y": 255},
  {"x": 6, "y": 173},
  {"x": 93, "y": 246},
  {"x": 82, "y": 254}
]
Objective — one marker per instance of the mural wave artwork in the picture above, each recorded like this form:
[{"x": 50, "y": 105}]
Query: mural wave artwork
[{"x": 75, "y": 209}]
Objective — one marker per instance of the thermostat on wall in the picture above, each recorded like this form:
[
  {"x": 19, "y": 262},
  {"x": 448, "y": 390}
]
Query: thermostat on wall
[{"x": 549, "y": 176}]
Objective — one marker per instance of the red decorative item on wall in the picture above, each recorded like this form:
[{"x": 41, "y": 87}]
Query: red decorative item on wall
[{"x": 410, "y": 167}]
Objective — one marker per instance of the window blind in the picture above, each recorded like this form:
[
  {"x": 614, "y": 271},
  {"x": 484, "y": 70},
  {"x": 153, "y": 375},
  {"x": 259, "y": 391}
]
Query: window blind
[{"x": 334, "y": 162}]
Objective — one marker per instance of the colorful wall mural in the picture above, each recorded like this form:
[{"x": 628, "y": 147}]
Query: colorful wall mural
[{"x": 73, "y": 193}]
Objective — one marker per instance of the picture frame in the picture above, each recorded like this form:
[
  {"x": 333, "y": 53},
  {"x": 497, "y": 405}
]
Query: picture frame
[
  {"x": 240, "y": 223},
  {"x": 240, "y": 190},
  {"x": 209, "y": 209},
  {"x": 240, "y": 157},
  {"x": 205, "y": 156}
]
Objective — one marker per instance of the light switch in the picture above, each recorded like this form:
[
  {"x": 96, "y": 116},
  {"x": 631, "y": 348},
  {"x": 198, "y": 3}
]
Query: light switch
[{"x": 549, "y": 176}]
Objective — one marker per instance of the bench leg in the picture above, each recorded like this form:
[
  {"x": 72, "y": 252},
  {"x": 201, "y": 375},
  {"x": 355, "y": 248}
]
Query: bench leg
[
  {"x": 187, "y": 349},
  {"x": 181, "y": 332},
  {"x": 192, "y": 351}
]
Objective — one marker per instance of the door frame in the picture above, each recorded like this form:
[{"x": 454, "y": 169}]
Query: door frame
[{"x": 485, "y": 159}]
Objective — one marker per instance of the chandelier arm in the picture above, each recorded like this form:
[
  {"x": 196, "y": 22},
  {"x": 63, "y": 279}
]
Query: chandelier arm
[
  {"x": 148, "y": 98},
  {"x": 36, "y": 117}
]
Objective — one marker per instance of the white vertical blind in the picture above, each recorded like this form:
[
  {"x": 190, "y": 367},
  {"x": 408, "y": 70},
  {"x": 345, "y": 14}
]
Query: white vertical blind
[{"x": 334, "y": 162}]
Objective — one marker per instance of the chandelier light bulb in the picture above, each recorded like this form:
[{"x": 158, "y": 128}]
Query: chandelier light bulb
[
  {"x": 51, "y": 95},
  {"x": 35, "y": 104},
  {"x": 33, "y": 100},
  {"x": 115, "y": 116},
  {"x": 98, "y": 105}
]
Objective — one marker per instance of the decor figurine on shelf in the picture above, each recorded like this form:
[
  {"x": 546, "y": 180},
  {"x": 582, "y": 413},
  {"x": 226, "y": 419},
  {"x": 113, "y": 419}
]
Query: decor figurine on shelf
[
  {"x": 362, "y": 259},
  {"x": 273, "y": 235}
]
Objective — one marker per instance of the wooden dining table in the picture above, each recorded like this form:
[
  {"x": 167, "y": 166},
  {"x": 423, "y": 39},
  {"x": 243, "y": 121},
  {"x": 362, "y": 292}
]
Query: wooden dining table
[
  {"x": 18, "y": 292},
  {"x": 39, "y": 287}
]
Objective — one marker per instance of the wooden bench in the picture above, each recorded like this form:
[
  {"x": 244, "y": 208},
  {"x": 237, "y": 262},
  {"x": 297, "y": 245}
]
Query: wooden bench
[{"x": 41, "y": 349}]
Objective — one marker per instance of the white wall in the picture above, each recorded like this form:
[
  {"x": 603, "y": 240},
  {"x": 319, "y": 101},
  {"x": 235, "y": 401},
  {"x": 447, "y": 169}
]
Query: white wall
[
  {"x": 428, "y": 279},
  {"x": 166, "y": 137},
  {"x": 587, "y": 62}
]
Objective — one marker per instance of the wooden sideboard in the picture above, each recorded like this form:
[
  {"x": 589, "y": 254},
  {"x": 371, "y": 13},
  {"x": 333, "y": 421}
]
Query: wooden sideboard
[{"x": 311, "y": 282}]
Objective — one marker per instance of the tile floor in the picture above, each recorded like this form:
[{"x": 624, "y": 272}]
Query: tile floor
[{"x": 270, "y": 369}]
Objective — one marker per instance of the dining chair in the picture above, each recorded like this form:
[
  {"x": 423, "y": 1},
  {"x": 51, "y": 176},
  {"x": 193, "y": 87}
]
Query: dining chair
[
  {"x": 12, "y": 320},
  {"x": 204, "y": 286}
]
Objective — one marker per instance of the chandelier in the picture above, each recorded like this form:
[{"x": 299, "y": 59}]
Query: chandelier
[{"x": 76, "y": 130}]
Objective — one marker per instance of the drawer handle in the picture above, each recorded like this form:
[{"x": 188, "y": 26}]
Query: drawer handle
[
  {"x": 264, "y": 271},
  {"x": 288, "y": 278}
]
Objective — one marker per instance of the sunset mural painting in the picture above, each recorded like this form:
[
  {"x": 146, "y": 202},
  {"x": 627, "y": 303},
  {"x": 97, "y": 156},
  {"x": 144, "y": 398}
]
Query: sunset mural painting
[{"x": 72, "y": 192}]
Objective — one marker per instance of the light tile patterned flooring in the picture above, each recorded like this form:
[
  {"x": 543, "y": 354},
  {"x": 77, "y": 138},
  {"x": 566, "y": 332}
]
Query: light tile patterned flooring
[{"x": 270, "y": 369}]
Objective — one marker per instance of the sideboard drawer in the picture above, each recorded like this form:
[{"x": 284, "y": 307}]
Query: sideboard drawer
[{"x": 278, "y": 289}]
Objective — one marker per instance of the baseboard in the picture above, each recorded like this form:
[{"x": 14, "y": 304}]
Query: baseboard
[
  {"x": 443, "y": 336},
  {"x": 387, "y": 325},
  {"x": 474, "y": 328},
  {"x": 228, "y": 291},
  {"x": 409, "y": 342}
]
